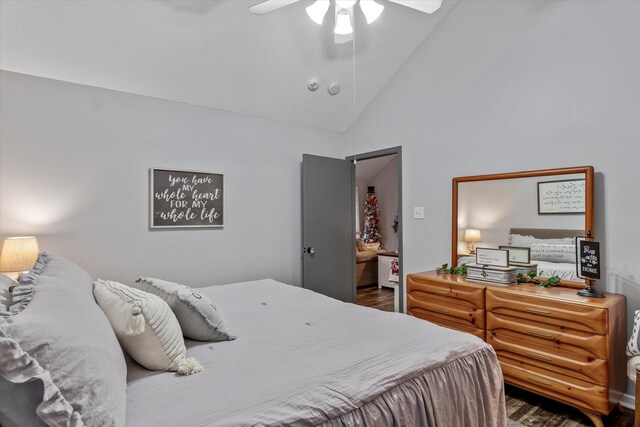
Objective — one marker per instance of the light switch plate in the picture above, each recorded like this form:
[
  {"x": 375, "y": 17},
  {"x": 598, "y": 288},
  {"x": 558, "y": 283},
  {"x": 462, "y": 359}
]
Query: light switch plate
[{"x": 418, "y": 212}]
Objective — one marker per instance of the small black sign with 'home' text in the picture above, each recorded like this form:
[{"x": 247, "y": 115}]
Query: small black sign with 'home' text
[{"x": 589, "y": 259}]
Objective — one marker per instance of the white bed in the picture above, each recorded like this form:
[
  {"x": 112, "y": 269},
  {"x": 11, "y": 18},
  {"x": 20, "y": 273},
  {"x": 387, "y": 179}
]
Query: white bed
[
  {"x": 300, "y": 359},
  {"x": 564, "y": 270},
  {"x": 304, "y": 359}
]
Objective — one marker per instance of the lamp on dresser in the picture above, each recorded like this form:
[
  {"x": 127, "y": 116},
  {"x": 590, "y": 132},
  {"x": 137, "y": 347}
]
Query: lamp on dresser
[
  {"x": 472, "y": 236},
  {"x": 18, "y": 255}
]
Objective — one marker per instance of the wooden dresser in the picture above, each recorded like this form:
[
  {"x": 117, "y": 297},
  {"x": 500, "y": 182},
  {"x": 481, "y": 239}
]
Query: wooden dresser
[{"x": 549, "y": 341}]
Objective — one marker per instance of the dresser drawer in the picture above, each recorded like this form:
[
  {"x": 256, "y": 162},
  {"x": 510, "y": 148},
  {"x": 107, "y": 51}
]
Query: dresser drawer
[
  {"x": 448, "y": 309},
  {"x": 548, "y": 311},
  {"x": 561, "y": 387},
  {"x": 555, "y": 336},
  {"x": 567, "y": 363},
  {"x": 442, "y": 321},
  {"x": 423, "y": 287}
]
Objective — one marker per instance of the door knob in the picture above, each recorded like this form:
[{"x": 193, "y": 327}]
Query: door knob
[{"x": 310, "y": 250}]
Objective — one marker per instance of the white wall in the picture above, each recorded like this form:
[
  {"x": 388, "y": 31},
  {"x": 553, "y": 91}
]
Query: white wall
[
  {"x": 519, "y": 85},
  {"x": 74, "y": 164}
]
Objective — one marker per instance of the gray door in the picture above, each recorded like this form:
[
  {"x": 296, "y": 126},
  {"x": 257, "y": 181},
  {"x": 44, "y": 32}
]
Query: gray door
[{"x": 328, "y": 216}]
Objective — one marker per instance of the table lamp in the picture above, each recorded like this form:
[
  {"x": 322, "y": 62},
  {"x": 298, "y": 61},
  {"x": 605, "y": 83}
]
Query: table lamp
[
  {"x": 471, "y": 236},
  {"x": 18, "y": 255}
]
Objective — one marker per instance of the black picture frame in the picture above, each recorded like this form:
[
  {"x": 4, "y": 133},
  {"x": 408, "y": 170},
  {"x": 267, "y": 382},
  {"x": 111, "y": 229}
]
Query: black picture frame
[{"x": 180, "y": 198}]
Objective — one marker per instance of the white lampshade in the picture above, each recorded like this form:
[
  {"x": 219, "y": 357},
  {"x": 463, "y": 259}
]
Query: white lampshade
[
  {"x": 318, "y": 10},
  {"x": 345, "y": 4},
  {"x": 472, "y": 235},
  {"x": 343, "y": 22},
  {"x": 18, "y": 254},
  {"x": 371, "y": 10}
]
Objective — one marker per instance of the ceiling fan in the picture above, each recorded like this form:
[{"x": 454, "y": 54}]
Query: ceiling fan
[{"x": 344, "y": 10}]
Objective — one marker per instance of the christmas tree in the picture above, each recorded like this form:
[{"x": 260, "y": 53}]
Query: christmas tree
[{"x": 371, "y": 219}]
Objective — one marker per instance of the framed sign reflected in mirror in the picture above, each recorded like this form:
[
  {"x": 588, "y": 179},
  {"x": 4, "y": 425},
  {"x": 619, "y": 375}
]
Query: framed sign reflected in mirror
[{"x": 561, "y": 197}]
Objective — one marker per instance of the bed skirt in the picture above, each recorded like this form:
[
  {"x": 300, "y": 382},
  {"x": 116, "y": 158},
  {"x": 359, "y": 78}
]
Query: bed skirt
[{"x": 468, "y": 391}]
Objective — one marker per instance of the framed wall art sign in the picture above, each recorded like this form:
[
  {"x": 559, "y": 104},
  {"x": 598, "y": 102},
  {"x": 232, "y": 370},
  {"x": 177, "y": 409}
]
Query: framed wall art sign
[
  {"x": 492, "y": 257},
  {"x": 561, "y": 197},
  {"x": 518, "y": 256},
  {"x": 186, "y": 199}
]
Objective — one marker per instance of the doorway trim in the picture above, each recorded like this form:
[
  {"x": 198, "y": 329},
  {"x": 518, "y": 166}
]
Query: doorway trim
[{"x": 372, "y": 155}]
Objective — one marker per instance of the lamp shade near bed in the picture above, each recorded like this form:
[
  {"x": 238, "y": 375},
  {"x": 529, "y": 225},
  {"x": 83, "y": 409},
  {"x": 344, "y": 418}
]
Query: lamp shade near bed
[
  {"x": 18, "y": 254},
  {"x": 471, "y": 236}
]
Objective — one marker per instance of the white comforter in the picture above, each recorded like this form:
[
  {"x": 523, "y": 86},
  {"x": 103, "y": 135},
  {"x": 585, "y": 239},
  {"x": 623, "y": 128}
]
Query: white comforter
[{"x": 305, "y": 359}]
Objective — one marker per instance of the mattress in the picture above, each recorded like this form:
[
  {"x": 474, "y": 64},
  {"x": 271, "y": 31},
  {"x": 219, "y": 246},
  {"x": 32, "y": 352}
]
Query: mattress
[{"x": 304, "y": 359}]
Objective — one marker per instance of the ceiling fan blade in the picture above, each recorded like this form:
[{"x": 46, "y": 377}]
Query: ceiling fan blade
[
  {"x": 426, "y": 6},
  {"x": 270, "y": 6}
]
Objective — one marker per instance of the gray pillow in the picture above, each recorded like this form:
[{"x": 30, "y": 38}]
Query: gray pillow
[
  {"x": 6, "y": 283},
  {"x": 60, "y": 355},
  {"x": 199, "y": 318}
]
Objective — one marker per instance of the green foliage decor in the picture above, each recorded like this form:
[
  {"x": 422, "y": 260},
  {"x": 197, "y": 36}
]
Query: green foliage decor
[
  {"x": 522, "y": 278},
  {"x": 460, "y": 271},
  {"x": 531, "y": 278}
]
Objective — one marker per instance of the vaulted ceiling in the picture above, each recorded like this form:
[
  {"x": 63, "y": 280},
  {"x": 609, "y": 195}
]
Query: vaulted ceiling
[{"x": 213, "y": 53}]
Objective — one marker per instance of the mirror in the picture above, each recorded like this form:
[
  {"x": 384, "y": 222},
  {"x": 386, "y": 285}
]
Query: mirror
[{"x": 542, "y": 211}]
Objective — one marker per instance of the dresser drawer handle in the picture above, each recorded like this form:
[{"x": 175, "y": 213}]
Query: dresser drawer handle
[
  {"x": 538, "y": 380},
  {"x": 537, "y": 310},
  {"x": 440, "y": 292},
  {"x": 539, "y": 357},
  {"x": 440, "y": 310},
  {"x": 539, "y": 333}
]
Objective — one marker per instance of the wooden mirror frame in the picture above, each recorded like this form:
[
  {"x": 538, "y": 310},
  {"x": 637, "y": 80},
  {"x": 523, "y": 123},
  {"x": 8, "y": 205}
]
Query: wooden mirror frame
[{"x": 588, "y": 211}]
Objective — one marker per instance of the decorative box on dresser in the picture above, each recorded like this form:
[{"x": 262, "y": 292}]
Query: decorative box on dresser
[{"x": 548, "y": 340}]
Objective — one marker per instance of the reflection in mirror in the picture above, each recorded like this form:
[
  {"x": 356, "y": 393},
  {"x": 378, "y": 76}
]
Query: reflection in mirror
[{"x": 542, "y": 213}]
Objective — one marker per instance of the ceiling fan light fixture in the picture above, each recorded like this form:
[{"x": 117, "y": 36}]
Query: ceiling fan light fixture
[
  {"x": 371, "y": 10},
  {"x": 343, "y": 22},
  {"x": 318, "y": 10},
  {"x": 426, "y": 6},
  {"x": 433, "y": 5},
  {"x": 345, "y": 4}
]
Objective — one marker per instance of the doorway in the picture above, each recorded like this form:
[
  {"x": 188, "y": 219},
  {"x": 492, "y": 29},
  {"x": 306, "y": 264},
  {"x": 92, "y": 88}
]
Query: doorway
[{"x": 378, "y": 229}]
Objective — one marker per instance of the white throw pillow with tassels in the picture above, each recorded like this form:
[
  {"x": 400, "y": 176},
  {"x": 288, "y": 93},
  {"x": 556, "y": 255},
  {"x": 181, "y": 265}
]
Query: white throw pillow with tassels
[{"x": 145, "y": 326}]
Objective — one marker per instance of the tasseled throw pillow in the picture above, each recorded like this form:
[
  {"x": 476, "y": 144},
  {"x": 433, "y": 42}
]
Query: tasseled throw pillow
[{"x": 145, "y": 326}]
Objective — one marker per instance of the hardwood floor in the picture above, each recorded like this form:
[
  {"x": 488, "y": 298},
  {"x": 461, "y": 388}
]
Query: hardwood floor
[
  {"x": 530, "y": 409},
  {"x": 371, "y": 296}
]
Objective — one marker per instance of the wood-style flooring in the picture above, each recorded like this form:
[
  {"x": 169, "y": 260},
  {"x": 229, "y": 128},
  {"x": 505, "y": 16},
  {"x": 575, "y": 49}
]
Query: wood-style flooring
[
  {"x": 532, "y": 410},
  {"x": 371, "y": 296}
]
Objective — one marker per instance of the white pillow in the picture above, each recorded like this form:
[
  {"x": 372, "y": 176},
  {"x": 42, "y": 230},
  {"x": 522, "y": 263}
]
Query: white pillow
[
  {"x": 519, "y": 240},
  {"x": 199, "y": 318},
  {"x": 145, "y": 326},
  {"x": 553, "y": 253}
]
